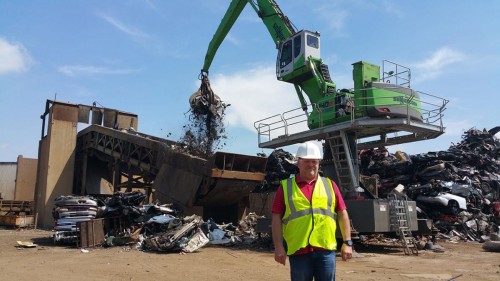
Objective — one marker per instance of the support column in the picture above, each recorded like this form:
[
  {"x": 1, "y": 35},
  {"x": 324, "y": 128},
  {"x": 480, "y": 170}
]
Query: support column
[{"x": 56, "y": 159}]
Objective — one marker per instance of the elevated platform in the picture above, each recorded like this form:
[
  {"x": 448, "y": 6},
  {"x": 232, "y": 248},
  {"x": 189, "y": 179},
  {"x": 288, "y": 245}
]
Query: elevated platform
[{"x": 370, "y": 132}]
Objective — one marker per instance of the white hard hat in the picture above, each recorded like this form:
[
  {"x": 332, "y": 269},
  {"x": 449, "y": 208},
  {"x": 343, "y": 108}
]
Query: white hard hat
[{"x": 308, "y": 150}]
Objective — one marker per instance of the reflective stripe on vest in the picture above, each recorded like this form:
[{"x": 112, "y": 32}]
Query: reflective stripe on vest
[{"x": 295, "y": 214}]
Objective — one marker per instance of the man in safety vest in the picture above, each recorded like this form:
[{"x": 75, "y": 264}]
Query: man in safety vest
[{"x": 305, "y": 213}]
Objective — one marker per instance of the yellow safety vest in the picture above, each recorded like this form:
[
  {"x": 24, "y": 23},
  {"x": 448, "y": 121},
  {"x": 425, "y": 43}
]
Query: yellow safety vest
[{"x": 309, "y": 223}]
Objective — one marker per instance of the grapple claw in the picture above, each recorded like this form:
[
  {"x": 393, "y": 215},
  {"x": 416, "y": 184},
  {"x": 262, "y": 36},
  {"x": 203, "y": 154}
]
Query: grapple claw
[{"x": 204, "y": 101}]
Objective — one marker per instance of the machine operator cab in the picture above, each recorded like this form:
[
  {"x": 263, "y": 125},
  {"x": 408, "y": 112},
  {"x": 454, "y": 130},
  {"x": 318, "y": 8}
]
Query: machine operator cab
[{"x": 294, "y": 53}]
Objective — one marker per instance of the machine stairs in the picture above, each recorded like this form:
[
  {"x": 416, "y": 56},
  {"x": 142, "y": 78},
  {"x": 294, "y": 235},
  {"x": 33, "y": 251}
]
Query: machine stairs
[
  {"x": 345, "y": 166},
  {"x": 401, "y": 224}
]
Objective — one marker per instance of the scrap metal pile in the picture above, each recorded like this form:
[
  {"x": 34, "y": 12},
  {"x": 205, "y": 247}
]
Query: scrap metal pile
[
  {"x": 67, "y": 211},
  {"x": 280, "y": 165},
  {"x": 459, "y": 188},
  {"x": 150, "y": 227}
]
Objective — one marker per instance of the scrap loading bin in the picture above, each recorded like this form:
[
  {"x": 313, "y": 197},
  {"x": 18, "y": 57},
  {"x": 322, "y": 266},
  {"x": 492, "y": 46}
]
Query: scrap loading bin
[
  {"x": 222, "y": 180},
  {"x": 166, "y": 174}
]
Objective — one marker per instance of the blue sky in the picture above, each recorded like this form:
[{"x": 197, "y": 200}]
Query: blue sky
[{"x": 144, "y": 56}]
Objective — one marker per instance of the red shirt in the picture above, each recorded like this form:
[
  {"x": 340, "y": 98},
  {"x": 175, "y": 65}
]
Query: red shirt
[{"x": 307, "y": 190}]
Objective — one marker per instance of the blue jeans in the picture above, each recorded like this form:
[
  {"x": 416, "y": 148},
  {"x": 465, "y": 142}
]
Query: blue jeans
[{"x": 317, "y": 264}]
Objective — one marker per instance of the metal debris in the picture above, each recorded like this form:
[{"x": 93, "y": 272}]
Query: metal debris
[
  {"x": 492, "y": 244},
  {"x": 280, "y": 165},
  {"x": 67, "y": 211},
  {"x": 205, "y": 131},
  {"x": 25, "y": 244},
  {"x": 151, "y": 227},
  {"x": 177, "y": 237},
  {"x": 441, "y": 182}
]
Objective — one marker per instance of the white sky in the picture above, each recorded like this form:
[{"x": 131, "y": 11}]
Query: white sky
[{"x": 144, "y": 57}]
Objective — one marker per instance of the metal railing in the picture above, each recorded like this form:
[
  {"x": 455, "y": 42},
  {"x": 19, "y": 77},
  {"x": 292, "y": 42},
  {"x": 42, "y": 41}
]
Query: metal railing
[
  {"x": 295, "y": 120},
  {"x": 395, "y": 73},
  {"x": 281, "y": 125}
]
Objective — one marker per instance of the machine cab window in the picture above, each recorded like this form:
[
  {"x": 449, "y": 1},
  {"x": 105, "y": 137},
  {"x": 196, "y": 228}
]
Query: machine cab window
[
  {"x": 286, "y": 54},
  {"x": 313, "y": 41},
  {"x": 297, "y": 46},
  {"x": 295, "y": 52}
]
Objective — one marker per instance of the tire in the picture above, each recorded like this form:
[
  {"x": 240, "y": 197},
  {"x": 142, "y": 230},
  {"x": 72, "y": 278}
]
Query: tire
[{"x": 453, "y": 207}]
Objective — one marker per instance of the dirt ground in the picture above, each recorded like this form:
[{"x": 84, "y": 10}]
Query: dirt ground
[{"x": 461, "y": 261}]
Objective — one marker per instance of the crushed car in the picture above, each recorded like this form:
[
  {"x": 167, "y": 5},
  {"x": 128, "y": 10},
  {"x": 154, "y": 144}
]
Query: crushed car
[
  {"x": 429, "y": 199},
  {"x": 67, "y": 212}
]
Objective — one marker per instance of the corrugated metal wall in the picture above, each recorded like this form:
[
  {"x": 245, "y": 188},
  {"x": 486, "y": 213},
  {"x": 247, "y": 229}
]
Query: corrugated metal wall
[{"x": 8, "y": 180}]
